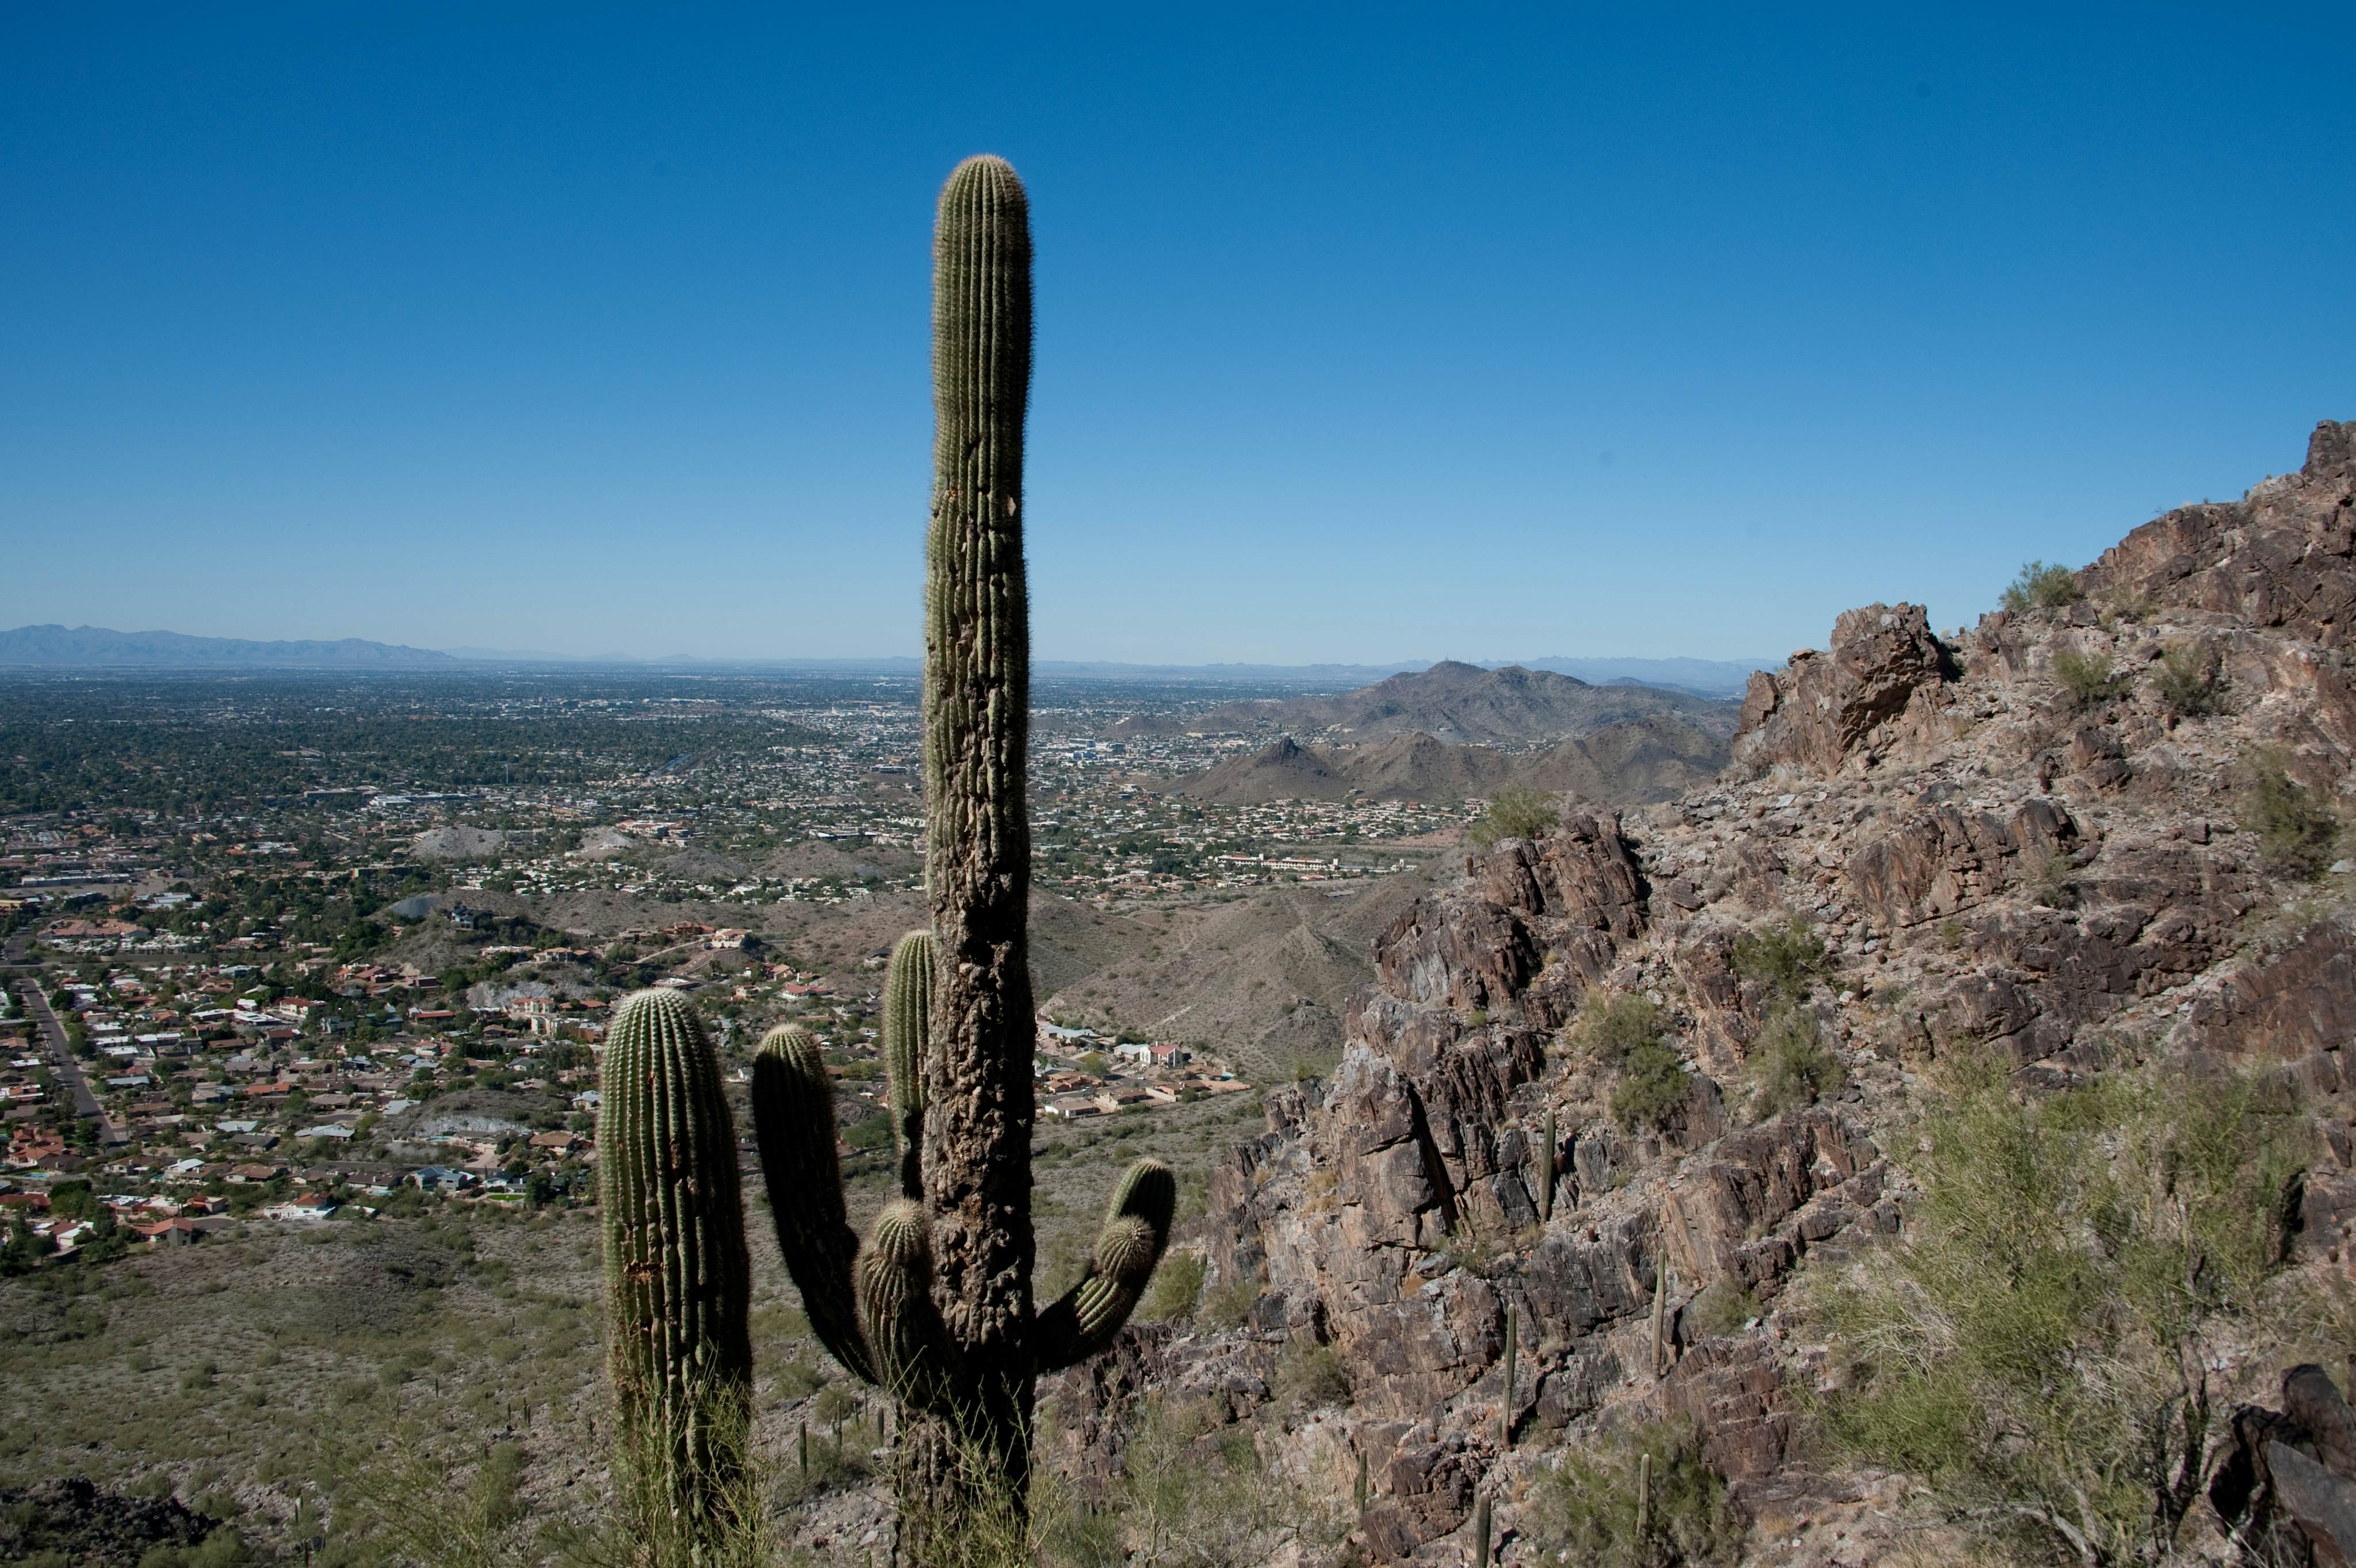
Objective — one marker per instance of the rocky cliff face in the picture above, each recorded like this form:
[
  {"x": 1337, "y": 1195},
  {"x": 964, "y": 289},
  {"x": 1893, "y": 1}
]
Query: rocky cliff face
[{"x": 1990, "y": 857}]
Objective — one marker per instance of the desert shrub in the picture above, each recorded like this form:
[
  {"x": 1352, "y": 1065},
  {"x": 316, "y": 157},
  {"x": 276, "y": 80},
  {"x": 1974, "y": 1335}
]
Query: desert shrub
[
  {"x": 2185, "y": 679},
  {"x": 1228, "y": 1303},
  {"x": 1624, "y": 1034},
  {"x": 1516, "y": 813},
  {"x": 1723, "y": 1307},
  {"x": 2089, "y": 677},
  {"x": 2034, "y": 1347},
  {"x": 1790, "y": 1066},
  {"x": 2046, "y": 879},
  {"x": 1651, "y": 1087},
  {"x": 1782, "y": 959},
  {"x": 2041, "y": 588},
  {"x": 1176, "y": 1284},
  {"x": 1188, "y": 1499},
  {"x": 409, "y": 1508},
  {"x": 1589, "y": 1508},
  {"x": 1309, "y": 1376},
  {"x": 2295, "y": 829}
]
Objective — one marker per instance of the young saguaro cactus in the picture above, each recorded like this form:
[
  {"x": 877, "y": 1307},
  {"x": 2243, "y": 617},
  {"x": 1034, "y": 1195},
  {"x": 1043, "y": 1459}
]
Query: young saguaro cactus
[
  {"x": 678, "y": 1281},
  {"x": 936, "y": 1307}
]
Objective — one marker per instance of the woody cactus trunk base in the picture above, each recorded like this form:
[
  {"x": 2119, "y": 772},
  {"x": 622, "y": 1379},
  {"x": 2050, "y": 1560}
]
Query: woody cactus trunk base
[{"x": 935, "y": 1307}]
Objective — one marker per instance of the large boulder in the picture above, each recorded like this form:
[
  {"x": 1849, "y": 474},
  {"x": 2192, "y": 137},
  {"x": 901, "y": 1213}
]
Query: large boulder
[{"x": 1825, "y": 709}]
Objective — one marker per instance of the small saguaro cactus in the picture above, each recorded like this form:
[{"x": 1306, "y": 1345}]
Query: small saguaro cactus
[
  {"x": 1505, "y": 1422},
  {"x": 1549, "y": 1152},
  {"x": 936, "y": 1307},
  {"x": 678, "y": 1281}
]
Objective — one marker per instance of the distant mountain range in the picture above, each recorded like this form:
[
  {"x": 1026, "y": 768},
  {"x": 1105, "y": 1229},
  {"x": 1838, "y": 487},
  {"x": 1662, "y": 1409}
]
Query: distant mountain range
[{"x": 96, "y": 647}]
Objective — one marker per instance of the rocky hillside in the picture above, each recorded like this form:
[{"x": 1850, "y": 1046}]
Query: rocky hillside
[{"x": 2061, "y": 843}]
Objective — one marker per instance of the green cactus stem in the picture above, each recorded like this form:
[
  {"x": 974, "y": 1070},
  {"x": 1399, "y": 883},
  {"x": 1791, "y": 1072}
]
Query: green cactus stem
[
  {"x": 1129, "y": 1247},
  {"x": 1546, "y": 1158},
  {"x": 1505, "y": 1422},
  {"x": 793, "y": 1125},
  {"x": 678, "y": 1280},
  {"x": 908, "y": 1023}
]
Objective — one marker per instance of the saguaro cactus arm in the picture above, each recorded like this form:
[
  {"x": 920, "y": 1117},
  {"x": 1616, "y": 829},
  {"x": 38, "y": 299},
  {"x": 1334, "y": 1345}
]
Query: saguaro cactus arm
[
  {"x": 908, "y": 1029},
  {"x": 914, "y": 1358},
  {"x": 1083, "y": 1321},
  {"x": 793, "y": 1123}
]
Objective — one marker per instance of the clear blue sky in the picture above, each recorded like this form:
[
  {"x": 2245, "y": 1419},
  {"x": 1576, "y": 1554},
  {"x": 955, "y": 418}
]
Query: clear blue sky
[{"x": 1363, "y": 333}]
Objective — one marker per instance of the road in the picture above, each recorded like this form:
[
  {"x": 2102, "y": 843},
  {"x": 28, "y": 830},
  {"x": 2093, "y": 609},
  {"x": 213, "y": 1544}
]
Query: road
[{"x": 85, "y": 1103}]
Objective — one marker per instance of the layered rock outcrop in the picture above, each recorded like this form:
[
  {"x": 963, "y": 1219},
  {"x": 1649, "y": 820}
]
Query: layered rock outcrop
[{"x": 1991, "y": 856}]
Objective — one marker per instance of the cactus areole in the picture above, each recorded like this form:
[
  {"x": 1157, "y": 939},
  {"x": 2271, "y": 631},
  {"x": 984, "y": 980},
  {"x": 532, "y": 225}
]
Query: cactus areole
[{"x": 935, "y": 1307}]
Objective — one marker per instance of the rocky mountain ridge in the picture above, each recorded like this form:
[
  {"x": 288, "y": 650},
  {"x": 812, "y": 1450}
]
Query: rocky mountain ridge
[
  {"x": 2025, "y": 843},
  {"x": 1628, "y": 763},
  {"x": 1460, "y": 704}
]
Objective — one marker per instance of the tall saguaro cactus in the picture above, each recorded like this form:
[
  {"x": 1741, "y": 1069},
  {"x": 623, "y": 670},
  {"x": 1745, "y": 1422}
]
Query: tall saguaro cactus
[
  {"x": 936, "y": 1307},
  {"x": 678, "y": 1283},
  {"x": 977, "y": 717}
]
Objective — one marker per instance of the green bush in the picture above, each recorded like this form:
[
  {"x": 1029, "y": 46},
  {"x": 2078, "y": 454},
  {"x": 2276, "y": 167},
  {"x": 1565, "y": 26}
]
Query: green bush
[
  {"x": 1783, "y": 961},
  {"x": 1194, "y": 1493},
  {"x": 1227, "y": 1304},
  {"x": 1653, "y": 1086},
  {"x": 1589, "y": 1511},
  {"x": 1176, "y": 1284},
  {"x": 2296, "y": 829},
  {"x": 1516, "y": 813},
  {"x": 1723, "y": 1307},
  {"x": 2032, "y": 1348},
  {"x": 1310, "y": 1377},
  {"x": 2186, "y": 679},
  {"x": 2089, "y": 677},
  {"x": 1623, "y": 1034},
  {"x": 2041, "y": 588},
  {"x": 1790, "y": 1066}
]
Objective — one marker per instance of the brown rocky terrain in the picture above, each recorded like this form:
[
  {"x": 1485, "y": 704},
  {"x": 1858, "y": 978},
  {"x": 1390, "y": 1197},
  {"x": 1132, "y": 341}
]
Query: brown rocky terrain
[{"x": 2035, "y": 840}]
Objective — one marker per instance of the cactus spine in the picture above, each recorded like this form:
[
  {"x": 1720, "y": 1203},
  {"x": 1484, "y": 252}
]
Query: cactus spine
[
  {"x": 678, "y": 1281},
  {"x": 936, "y": 1307}
]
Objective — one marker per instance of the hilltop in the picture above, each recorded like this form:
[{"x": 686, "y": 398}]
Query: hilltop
[
  {"x": 1457, "y": 704},
  {"x": 1631, "y": 762}
]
